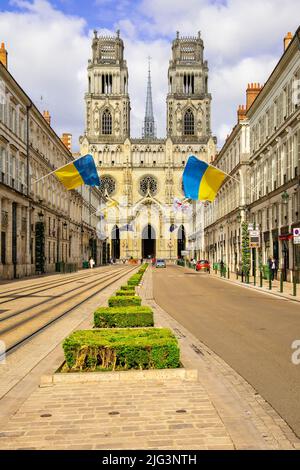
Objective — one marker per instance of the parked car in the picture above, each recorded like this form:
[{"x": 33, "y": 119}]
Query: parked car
[
  {"x": 160, "y": 263},
  {"x": 203, "y": 265}
]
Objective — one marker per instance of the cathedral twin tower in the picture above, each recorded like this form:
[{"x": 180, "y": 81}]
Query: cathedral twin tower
[
  {"x": 108, "y": 103},
  {"x": 146, "y": 167}
]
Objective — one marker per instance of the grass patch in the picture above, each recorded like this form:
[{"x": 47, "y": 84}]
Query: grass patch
[
  {"x": 121, "y": 349},
  {"x": 123, "y": 317}
]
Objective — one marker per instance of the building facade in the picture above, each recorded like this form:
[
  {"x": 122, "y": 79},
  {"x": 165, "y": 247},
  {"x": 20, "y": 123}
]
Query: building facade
[
  {"x": 263, "y": 155},
  {"x": 142, "y": 176},
  {"x": 42, "y": 224}
]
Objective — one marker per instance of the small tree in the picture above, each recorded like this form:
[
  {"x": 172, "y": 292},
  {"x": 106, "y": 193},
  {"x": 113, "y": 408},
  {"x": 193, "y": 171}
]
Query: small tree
[{"x": 246, "y": 259}]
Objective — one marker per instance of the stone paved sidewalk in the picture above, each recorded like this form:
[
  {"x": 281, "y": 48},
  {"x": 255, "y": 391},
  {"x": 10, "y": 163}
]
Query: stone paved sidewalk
[
  {"x": 287, "y": 286},
  {"x": 220, "y": 411}
]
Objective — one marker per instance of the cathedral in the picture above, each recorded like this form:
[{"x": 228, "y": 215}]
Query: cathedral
[{"x": 141, "y": 178}]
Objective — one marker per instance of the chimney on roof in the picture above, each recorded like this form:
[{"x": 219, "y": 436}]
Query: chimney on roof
[
  {"x": 286, "y": 40},
  {"x": 47, "y": 117},
  {"x": 67, "y": 140},
  {"x": 252, "y": 91},
  {"x": 241, "y": 113},
  {"x": 3, "y": 55}
]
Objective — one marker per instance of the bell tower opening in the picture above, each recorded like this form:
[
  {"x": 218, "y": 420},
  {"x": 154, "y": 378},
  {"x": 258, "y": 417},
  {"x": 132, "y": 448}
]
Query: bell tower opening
[{"x": 148, "y": 242}]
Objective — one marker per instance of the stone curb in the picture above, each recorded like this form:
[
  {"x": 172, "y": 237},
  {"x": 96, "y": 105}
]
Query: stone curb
[{"x": 190, "y": 375}]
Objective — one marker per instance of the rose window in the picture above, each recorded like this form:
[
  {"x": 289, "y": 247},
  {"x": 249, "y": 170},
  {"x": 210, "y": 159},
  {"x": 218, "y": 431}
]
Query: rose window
[
  {"x": 148, "y": 185},
  {"x": 107, "y": 185}
]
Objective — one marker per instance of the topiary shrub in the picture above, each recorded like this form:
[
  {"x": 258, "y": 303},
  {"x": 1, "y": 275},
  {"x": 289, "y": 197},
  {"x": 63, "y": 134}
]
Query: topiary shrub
[
  {"x": 121, "y": 349},
  {"x": 125, "y": 292},
  {"x": 124, "y": 301},
  {"x": 123, "y": 317}
]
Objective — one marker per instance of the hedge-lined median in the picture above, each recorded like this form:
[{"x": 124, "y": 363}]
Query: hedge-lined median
[
  {"x": 124, "y": 301},
  {"x": 123, "y": 317},
  {"x": 121, "y": 349}
]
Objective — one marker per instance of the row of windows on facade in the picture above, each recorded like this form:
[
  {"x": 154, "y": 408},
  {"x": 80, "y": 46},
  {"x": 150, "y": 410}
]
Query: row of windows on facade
[
  {"x": 282, "y": 106},
  {"x": 273, "y": 170},
  {"x": 276, "y": 170},
  {"x": 13, "y": 118},
  {"x": 279, "y": 213}
]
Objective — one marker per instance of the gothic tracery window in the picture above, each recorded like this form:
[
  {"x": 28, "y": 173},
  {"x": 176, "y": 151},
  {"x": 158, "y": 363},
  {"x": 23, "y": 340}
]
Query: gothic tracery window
[
  {"x": 107, "y": 185},
  {"x": 148, "y": 184},
  {"x": 106, "y": 122},
  {"x": 189, "y": 123}
]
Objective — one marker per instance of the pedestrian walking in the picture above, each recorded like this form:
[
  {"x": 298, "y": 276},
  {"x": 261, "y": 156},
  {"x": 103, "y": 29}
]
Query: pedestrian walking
[{"x": 273, "y": 268}]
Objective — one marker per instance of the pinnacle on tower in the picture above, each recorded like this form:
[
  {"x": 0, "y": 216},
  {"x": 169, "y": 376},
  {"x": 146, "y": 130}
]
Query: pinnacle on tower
[{"x": 149, "y": 131}]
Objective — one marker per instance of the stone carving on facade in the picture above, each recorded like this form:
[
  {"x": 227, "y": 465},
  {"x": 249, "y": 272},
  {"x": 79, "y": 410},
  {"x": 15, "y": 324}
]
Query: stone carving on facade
[{"x": 117, "y": 119}]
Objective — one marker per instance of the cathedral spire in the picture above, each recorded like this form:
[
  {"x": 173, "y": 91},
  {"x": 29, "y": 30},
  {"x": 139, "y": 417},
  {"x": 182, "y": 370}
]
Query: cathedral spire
[{"x": 149, "y": 124}]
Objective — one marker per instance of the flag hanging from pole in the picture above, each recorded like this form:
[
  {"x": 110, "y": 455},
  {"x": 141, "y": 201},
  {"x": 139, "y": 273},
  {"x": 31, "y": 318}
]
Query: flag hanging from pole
[
  {"x": 79, "y": 172},
  {"x": 201, "y": 181}
]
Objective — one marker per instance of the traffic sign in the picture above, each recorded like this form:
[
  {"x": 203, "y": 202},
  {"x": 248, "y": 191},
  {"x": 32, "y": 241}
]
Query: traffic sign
[
  {"x": 296, "y": 236},
  {"x": 254, "y": 238}
]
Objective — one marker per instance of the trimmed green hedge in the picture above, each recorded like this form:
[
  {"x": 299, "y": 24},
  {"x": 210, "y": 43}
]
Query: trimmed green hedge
[
  {"x": 121, "y": 349},
  {"x": 127, "y": 287},
  {"x": 134, "y": 280},
  {"x": 125, "y": 292},
  {"x": 142, "y": 268},
  {"x": 124, "y": 301},
  {"x": 123, "y": 317}
]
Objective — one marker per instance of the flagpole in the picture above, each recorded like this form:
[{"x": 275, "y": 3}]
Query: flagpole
[{"x": 51, "y": 172}]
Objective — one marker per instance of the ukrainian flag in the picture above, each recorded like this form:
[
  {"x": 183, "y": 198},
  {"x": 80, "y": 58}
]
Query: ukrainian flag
[
  {"x": 79, "y": 172},
  {"x": 201, "y": 181}
]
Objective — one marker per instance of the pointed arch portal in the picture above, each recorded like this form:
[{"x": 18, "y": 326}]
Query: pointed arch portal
[
  {"x": 148, "y": 242},
  {"x": 180, "y": 241},
  {"x": 115, "y": 242}
]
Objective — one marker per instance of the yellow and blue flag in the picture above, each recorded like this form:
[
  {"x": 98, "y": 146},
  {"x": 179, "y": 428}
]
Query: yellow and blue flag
[
  {"x": 201, "y": 181},
  {"x": 79, "y": 172}
]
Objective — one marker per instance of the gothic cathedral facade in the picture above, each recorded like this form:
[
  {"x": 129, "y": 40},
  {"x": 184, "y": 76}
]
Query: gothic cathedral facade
[{"x": 141, "y": 177}]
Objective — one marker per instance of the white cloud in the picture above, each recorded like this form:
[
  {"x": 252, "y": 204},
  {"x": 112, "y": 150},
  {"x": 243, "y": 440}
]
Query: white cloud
[
  {"x": 48, "y": 54},
  {"x": 49, "y": 50}
]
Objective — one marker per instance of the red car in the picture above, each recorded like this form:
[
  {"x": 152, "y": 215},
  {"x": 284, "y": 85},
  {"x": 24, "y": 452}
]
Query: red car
[{"x": 203, "y": 265}]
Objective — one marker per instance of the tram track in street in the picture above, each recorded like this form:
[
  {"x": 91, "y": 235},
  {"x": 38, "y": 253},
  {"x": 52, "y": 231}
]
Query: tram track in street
[
  {"x": 25, "y": 292},
  {"x": 15, "y": 333}
]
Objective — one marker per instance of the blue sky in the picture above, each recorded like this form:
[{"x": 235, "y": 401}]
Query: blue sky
[{"x": 49, "y": 45}]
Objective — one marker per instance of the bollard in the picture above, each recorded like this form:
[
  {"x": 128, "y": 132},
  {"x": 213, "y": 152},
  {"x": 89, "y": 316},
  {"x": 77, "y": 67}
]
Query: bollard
[
  {"x": 242, "y": 276},
  {"x": 294, "y": 286},
  {"x": 281, "y": 282},
  {"x": 237, "y": 275},
  {"x": 228, "y": 274},
  {"x": 260, "y": 279},
  {"x": 270, "y": 281},
  {"x": 254, "y": 278},
  {"x": 247, "y": 278}
]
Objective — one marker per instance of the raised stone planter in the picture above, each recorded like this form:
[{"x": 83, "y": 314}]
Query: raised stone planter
[{"x": 190, "y": 375}]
